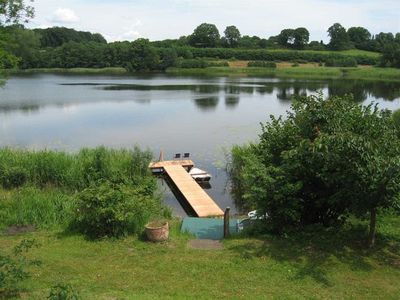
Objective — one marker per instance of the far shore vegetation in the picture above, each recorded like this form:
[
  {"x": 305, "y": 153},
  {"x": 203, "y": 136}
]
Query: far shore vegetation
[{"x": 239, "y": 68}]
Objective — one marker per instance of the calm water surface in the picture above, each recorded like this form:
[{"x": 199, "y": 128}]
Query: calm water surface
[{"x": 200, "y": 115}]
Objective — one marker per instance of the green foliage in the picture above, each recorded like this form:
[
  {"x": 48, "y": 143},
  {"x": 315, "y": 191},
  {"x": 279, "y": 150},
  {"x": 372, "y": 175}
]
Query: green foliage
[
  {"x": 63, "y": 291},
  {"x": 391, "y": 55},
  {"x": 49, "y": 181},
  {"x": 205, "y": 35},
  {"x": 232, "y": 36},
  {"x": 278, "y": 55},
  {"x": 7, "y": 60},
  {"x": 13, "y": 268},
  {"x": 342, "y": 62},
  {"x": 143, "y": 56},
  {"x": 396, "y": 118},
  {"x": 193, "y": 63},
  {"x": 21, "y": 43},
  {"x": 15, "y": 11},
  {"x": 39, "y": 208},
  {"x": 217, "y": 64},
  {"x": 294, "y": 38},
  {"x": 340, "y": 39},
  {"x": 57, "y": 36},
  {"x": 169, "y": 58},
  {"x": 327, "y": 159},
  {"x": 360, "y": 37},
  {"x": 262, "y": 64},
  {"x": 114, "y": 210},
  {"x": 74, "y": 171},
  {"x": 13, "y": 177}
]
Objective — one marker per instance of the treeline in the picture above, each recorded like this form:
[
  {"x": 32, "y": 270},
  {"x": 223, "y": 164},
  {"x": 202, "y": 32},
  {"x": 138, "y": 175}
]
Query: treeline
[
  {"x": 67, "y": 48},
  {"x": 57, "y": 36}
]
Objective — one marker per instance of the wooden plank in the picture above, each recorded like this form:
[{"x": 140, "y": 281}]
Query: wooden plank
[
  {"x": 196, "y": 197},
  {"x": 160, "y": 164}
]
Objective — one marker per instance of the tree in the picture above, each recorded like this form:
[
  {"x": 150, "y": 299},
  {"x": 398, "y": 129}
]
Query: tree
[
  {"x": 205, "y": 35},
  {"x": 15, "y": 11},
  {"x": 22, "y": 43},
  {"x": 249, "y": 42},
  {"x": 339, "y": 38},
  {"x": 143, "y": 57},
  {"x": 301, "y": 37},
  {"x": 391, "y": 55},
  {"x": 359, "y": 36},
  {"x": 232, "y": 36},
  {"x": 326, "y": 160},
  {"x": 169, "y": 58},
  {"x": 286, "y": 37}
]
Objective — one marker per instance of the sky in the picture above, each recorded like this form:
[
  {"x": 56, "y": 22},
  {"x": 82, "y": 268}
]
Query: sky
[{"x": 164, "y": 19}]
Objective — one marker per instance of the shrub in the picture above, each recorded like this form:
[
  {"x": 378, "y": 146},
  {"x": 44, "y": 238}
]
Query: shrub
[
  {"x": 193, "y": 63},
  {"x": 326, "y": 160},
  {"x": 261, "y": 64},
  {"x": 341, "y": 62},
  {"x": 63, "y": 291},
  {"x": 295, "y": 65},
  {"x": 114, "y": 210},
  {"x": 218, "y": 64}
]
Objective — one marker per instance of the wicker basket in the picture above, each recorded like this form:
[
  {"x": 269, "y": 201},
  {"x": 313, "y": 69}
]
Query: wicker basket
[{"x": 157, "y": 231}]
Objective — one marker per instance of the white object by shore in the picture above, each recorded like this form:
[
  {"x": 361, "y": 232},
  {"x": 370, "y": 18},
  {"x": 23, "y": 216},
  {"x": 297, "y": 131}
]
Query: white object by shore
[{"x": 199, "y": 175}]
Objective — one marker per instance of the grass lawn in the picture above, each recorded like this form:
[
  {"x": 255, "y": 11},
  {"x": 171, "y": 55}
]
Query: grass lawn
[{"x": 316, "y": 264}]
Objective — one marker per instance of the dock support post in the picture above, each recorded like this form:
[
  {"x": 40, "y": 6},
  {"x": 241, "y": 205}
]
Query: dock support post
[{"x": 226, "y": 222}]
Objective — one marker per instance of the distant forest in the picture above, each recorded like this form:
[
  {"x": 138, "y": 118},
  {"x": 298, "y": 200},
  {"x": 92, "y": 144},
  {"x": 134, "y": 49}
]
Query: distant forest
[{"x": 60, "y": 47}]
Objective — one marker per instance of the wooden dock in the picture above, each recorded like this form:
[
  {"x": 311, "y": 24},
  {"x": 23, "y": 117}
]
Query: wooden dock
[{"x": 195, "y": 196}]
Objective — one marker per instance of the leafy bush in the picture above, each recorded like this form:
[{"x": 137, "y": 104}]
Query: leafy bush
[
  {"x": 193, "y": 63},
  {"x": 326, "y": 160},
  {"x": 276, "y": 55},
  {"x": 13, "y": 268},
  {"x": 218, "y": 64},
  {"x": 63, "y": 291},
  {"x": 261, "y": 64},
  {"x": 341, "y": 62},
  {"x": 113, "y": 210}
]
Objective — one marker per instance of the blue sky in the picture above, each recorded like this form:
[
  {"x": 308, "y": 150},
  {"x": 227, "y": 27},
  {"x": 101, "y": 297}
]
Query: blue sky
[{"x": 161, "y": 19}]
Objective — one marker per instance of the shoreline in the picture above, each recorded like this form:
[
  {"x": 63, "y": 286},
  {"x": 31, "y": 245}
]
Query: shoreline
[{"x": 301, "y": 72}]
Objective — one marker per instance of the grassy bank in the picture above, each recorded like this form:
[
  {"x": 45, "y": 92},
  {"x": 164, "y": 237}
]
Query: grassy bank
[
  {"x": 40, "y": 188},
  {"x": 72, "y": 71},
  {"x": 315, "y": 264},
  {"x": 387, "y": 74}
]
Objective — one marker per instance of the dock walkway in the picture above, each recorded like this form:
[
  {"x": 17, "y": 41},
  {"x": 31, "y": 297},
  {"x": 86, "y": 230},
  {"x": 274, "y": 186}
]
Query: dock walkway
[{"x": 196, "y": 197}]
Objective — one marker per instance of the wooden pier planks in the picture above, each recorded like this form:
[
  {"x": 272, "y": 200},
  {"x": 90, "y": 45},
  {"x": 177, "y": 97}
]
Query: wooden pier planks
[{"x": 196, "y": 197}]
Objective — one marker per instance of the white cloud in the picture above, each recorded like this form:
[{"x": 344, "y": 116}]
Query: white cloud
[{"x": 64, "y": 15}]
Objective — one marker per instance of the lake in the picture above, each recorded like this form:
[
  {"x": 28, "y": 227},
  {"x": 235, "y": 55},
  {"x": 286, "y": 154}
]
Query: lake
[{"x": 204, "y": 116}]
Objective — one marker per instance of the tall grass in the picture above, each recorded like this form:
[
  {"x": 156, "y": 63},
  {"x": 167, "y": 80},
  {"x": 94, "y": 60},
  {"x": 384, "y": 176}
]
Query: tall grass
[
  {"x": 32, "y": 206},
  {"x": 39, "y": 187},
  {"x": 72, "y": 171}
]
